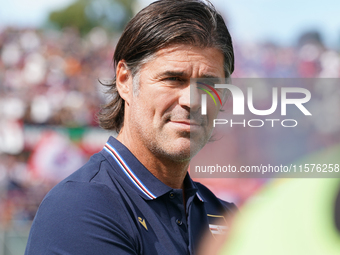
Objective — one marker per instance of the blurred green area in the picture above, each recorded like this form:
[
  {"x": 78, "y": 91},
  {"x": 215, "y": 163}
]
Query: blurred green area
[
  {"x": 13, "y": 241},
  {"x": 84, "y": 15}
]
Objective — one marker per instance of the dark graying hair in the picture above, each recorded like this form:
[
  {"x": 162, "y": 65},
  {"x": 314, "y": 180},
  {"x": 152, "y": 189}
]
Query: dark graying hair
[{"x": 163, "y": 23}]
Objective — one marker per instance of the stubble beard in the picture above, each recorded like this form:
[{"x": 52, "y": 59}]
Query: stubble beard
[
  {"x": 177, "y": 147},
  {"x": 172, "y": 152}
]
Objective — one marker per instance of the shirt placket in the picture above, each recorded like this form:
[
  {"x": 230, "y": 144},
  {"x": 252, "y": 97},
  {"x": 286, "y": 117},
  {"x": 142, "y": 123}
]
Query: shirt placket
[{"x": 178, "y": 215}]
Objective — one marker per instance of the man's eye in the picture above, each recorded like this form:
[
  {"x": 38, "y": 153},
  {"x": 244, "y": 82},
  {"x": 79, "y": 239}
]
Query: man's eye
[{"x": 173, "y": 79}]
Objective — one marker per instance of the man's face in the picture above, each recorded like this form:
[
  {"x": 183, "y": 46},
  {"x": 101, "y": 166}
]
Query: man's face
[{"x": 162, "y": 117}]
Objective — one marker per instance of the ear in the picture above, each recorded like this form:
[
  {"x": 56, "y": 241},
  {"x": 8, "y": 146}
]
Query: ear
[{"x": 124, "y": 81}]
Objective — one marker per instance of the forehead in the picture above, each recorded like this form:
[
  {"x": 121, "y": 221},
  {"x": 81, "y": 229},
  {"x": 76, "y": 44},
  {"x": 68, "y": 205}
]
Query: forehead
[{"x": 192, "y": 61}]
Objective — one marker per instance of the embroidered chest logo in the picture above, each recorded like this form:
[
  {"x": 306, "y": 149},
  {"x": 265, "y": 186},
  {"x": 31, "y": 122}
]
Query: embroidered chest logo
[{"x": 142, "y": 221}]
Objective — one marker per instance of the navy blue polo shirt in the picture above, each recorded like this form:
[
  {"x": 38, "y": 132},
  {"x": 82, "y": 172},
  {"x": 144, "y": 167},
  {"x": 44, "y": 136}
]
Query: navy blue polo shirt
[{"x": 114, "y": 205}]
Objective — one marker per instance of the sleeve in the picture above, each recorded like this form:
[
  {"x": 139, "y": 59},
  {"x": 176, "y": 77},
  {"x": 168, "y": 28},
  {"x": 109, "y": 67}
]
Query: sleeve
[{"x": 81, "y": 218}]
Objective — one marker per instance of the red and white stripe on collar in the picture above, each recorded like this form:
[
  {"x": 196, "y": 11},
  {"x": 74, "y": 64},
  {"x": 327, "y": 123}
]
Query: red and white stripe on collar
[
  {"x": 131, "y": 175},
  {"x": 128, "y": 172},
  {"x": 199, "y": 197}
]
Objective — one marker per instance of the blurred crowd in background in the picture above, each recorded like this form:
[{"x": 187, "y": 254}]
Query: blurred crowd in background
[{"x": 51, "y": 91}]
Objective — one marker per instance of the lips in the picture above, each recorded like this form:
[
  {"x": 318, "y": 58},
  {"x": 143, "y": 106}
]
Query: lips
[
  {"x": 186, "y": 118},
  {"x": 186, "y": 122},
  {"x": 187, "y": 126}
]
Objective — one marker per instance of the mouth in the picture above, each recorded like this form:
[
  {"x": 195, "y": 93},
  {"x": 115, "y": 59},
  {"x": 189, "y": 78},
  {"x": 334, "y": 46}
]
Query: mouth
[
  {"x": 186, "y": 122},
  {"x": 186, "y": 126}
]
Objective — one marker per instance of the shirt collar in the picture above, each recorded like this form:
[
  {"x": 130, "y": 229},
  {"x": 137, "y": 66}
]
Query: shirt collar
[{"x": 137, "y": 175}]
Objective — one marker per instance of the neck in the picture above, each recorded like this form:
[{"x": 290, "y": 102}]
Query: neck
[{"x": 170, "y": 172}]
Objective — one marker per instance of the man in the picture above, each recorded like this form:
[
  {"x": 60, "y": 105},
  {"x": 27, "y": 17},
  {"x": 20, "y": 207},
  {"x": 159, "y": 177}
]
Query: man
[{"x": 135, "y": 196}]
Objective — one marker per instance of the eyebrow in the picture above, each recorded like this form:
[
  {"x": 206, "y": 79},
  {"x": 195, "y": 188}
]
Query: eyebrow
[
  {"x": 181, "y": 74},
  {"x": 173, "y": 73},
  {"x": 207, "y": 76}
]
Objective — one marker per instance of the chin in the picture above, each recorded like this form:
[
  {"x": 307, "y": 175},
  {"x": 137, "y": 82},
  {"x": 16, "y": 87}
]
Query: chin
[
  {"x": 179, "y": 149},
  {"x": 179, "y": 157},
  {"x": 185, "y": 151}
]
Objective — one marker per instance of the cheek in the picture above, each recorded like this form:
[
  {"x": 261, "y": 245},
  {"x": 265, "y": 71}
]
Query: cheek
[
  {"x": 212, "y": 109},
  {"x": 164, "y": 102},
  {"x": 145, "y": 111},
  {"x": 139, "y": 109},
  {"x": 212, "y": 112}
]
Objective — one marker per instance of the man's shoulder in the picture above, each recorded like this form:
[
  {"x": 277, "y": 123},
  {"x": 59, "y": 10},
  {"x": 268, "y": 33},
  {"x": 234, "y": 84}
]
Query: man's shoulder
[
  {"x": 89, "y": 170},
  {"x": 90, "y": 183},
  {"x": 81, "y": 213},
  {"x": 78, "y": 195},
  {"x": 213, "y": 202}
]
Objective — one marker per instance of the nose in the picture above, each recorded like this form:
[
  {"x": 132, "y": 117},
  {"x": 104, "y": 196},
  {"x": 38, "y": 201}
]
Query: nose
[{"x": 190, "y": 98}]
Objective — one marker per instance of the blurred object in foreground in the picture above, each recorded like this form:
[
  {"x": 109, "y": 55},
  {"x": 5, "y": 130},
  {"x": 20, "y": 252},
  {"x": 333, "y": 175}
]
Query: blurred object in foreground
[{"x": 295, "y": 216}]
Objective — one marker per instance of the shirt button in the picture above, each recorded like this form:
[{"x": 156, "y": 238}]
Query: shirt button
[
  {"x": 171, "y": 195},
  {"x": 179, "y": 222}
]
